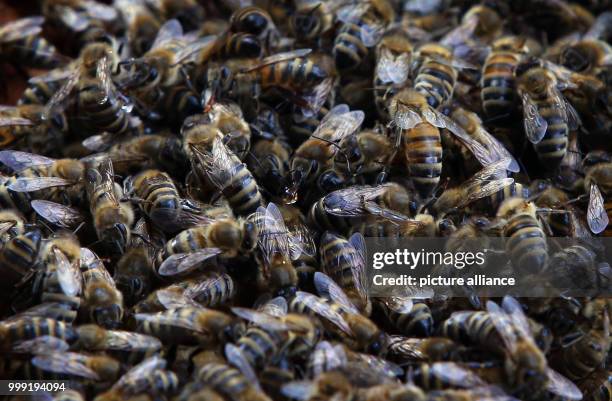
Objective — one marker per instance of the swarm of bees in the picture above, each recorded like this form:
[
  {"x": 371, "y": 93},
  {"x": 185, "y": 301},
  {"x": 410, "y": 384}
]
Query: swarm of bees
[{"x": 186, "y": 187}]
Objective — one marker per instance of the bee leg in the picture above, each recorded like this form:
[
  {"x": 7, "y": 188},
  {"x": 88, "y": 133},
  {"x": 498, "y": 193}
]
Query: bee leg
[{"x": 187, "y": 79}]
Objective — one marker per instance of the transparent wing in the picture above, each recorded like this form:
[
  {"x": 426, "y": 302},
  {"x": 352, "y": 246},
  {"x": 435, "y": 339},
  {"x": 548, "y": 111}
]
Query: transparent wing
[
  {"x": 380, "y": 366},
  {"x": 260, "y": 319},
  {"x": 21, "y": 28},
  {"x": 597, "y": 217},
  {"x": 400, "y": 305},
  {"x": 326, "y": 357},
  {"x": 301, "y": 390},
  {"x": 14, "y": 121},
  {"x": 391, "y": 69},
  {"x": 335, "y": 127},
  {"x": 235, "y": 357},
  {"x": 184, "y": 262},
  {"x": 98, "y": 143},
  {"x": 170, "y": 318},
  {"x": 352, "y": 13},
  {"x": 171, "y": 299},
  {"x": 273, "y": 235},
  {"x": 99, "y": 10},
  {"x": 359, "y": 264},
  {"x": 487, "y": 181},
  {"x": 535, "y": 125},
  {"x": 276, "y": 307},
  {"x": 77, "y": 21},
  {"x": 41, "y": 345},
  {"x": 327, "y": 288},
  {"x": 130, "y": 341},
  {"x": 461, "y": 34},
  {"x": 58, "y": 214},
  {"x": 495, "y": 152},
  {"x": 5, "y": 226},
  {"x": 206, "y": 285},
  {"x": 277, "y": 58},
  {"x": 456, "y": 375},
  {"x": 323, "y": 310},
  {"x": 67, "y": 363},
  {"x": 218, "y": 164},
  {"x": 560, "y": 385},
  {"x": 136, "y": 378},
  {"x": 503, "y": 324},
  {"x": 17, "y": 161},
  {"x": 101, "y": 178},
  {"x": 515, "y": 312},
  {"x": 103, "y": 74},
  {"x": 405, "y": 117},
  {"x": 60, "y": 98},
  {"x": 31, "y": 184},
  {"x": 351, "y": 201},
  {"x": 170, "y": 30},
  {"x": 68, "y": 274},
  {"x": 371, "y": 33},
  {"x": 194, "y": 48}
]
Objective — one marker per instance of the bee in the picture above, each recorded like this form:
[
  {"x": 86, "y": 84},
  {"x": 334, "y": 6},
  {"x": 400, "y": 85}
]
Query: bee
[
  {"x": 278, "y": 249},
  {"x": 272, "y": 334},
  {"x": 26, "y": 123},
  {"x": 344, "y": 261},
  {"x": 92, "y": 337},
  {"x": 362, "y": 27},
  {"x": 191, "y": 247},
  {"x": 338, "y": 314},
  {"x": 102, "y": 301},
  {"x": 498, "y": 82},
  {"x": 423, "y": 156},
  {"x": 232, "y": 178},
  {"x": 234, "y": 378},
  {"x": 436, "y": 75},
  {"x": 596, "y": 387},
  {"x": 407, "y": 316},
  {"x": 432, "y": 349},
  {"x": 228, "y": 118},
  {"x": 525, "y": 363},
  {"x": 316, "y": 154},
  {"x": 393, "y": 63},
  {"x": 111, "y": 219},
  {"x": 19, "y": 256},
  {"x": 21, "y": 43},
  {"x": 22, "y": 328},
  {"x": 73, "y": 365},
  {"x": 587, "y": 56},
  {"x": 365, "y": 152},
  {"x": 525, "y": 238},
  {"x": 186, "y": 325},
  {"x": 548, "y": 117},
  {"x": 59, "y": 278},
  {"x": 141, "y": 25},
  {"x": 486, "y": 182},
  {"x": 443, "y": 375},
  {"x": 583, "y": 352}
]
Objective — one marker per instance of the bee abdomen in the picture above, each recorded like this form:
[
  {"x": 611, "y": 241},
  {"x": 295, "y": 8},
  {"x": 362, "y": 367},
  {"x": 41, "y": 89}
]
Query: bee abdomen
[
  {"x": 348, "y": 49},
  {"x": 526, "y": 243},
  {"x": 242, "y": 193},
  {"x": 423, "y": 149}
]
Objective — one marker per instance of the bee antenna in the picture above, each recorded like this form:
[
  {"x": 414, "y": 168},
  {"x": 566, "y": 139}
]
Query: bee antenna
[{"x": 76, "y": 230}]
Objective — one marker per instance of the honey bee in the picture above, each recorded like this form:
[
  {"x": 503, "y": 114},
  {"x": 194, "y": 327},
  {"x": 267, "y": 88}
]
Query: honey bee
[
  {"x": 22, "y": 328},
  {"x": 525, "y": 238},
  {"x": 232, "y": 178},
  {"x": 325, "y": 386},
  {"x": 486, "y": 182},
  {"x": 186, "y": 325},
  {"x": 344, "y": 261},
  {"x": 228, "y": 118},
  {"x": 21, "y": 43},
  {"x": 27, "y": 122},
  {"x": 112, "y": 220},
  {"x": 150, "y": 375},
  {"x": 408, "y": 316},
  {"x": 443, "y": 375},
  {"x": 436, "y": 75},
  {"x": 60, "y": 280},
  {"x": 92, "y": 337},
  {"x": 278, "y": 249},
  {"x": 393, "y": 63},
  {"x": 317, "y": 153},
  {"x": 362, "y": 27},
  {"x": 325, "y": 358},
  {"x": 548, "y": 117},
  {"x": 102, "y": 301},
  {"x": 365, "y": 152},
  {"x": 73, "y": 365},
  {"x": 338, "y": 313},
  {"x": 40, "y": 89},
  {"x": 525, "y": 363}
]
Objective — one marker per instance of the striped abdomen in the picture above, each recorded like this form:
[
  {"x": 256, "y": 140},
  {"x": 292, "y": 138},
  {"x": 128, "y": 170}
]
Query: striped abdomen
[
  {"x": 499, "y": 84},
  {"x": 32, "y": 51},
  {"x": 40, "y": 92},
  {"x": 18, "y": 256},
  {"x": 491, "y": 203},
  {"x": 436, "y": 81},
  {"x": 296, "y": 73},
  {"x": 553, "y": 147},
  {"x": 526, "y": 243},
  {"x": 13, "y": 200},
  {"x": 187, "y": 241},
  {"x": 418, "y": 321},
  {"x": 242, "y": 192},
  {"x": 173, "y": 334},
  {"x": 423, "y": 151},
  {"x": 218, "y": 293},
  {"x": 30, "y": 328},
  {"x": 260, "y": 346},
  {"x": 349, "y": 50},
  {"x": 161, "y": 198},
  {"x": 472, "y": 328},
  {"x": 318, "y": 217},
  {"x": 101, "y": 112},
  {"x": 224, "y": 378}
]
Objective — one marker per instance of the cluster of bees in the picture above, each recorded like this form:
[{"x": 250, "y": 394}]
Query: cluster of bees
[{"x": 185, "y": 188}]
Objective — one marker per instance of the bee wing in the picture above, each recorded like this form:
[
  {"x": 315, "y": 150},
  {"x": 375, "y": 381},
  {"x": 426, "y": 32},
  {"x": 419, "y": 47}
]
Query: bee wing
[
  {"x": 535, "y": 125},
  {"x": 170, "y": 319},
  {"x": 560, "y": 385},
  {"x": 597, "y": 217},
  {"x": 5, "y": 226},
  {"x": 77, "y": 21},
  {"x": 59, "y": 98},
  {"x": 573, "y": 118},
  {"x": 273, "y": 235},
  {"x": 47, "y": 309},
  {"x": 303, "y": 235},
  {"x": 315, "y": 98},
  {"x": 194, "y": 48},
  {"x": 41, "y": 345},
  {"x": 172, "y": 299},
  {"x": 503, "y": 324},
  {"x": 338, "y": 126},
  {"x": 371, "y": 33},
  {"x": 133, "y": 378},
  {"x": 68, "y": 274},
  {"x": 327, "y": 288},
  {"x": 98, "y": 143},
  {"x": 326, "y": 357},
  {"x": 17, "y": 161},
  {"x": 456, "y": 375},
  {"x": 170, "y": 30},
  {"x": 103, "y": 74},
  {"x": 68, "y": 363},
  {"x": 14, "y": 121},
  {"x": 184, "y": 262},
  {"x": 397, "y": 304},
  {"x": 205, "y": 285},
  {"x": 350, "y": 201},
  {"x": 359, "y": 264},
  {"x": 380, "y": 366},
  {"x": 218, "y": 164},
  {"x": 405, "y": 117},
  {"x": 21, "y": 28},
  {"x": 101, "y": 175},
  {"x": 235, "y": 357},
  {"x": 351, "y": 12},
  {"x": 276, "y": 307},
  {"x": 461, "y": 34},
  {"x": 277, "y": 58},
  {"x": 99, "y": 11},
  {"x": 484, "y": 183},
  {"x": 130, "y": 341},
  {"x": 58, "y": 214},
  {"x": 31, "y": 184},
  {"x": 496, "y": 151},
  {"x": 51, "y": 76},
  {"x": 260, "y": 319},
  {"x": 301, "y": 390},
  {"x": 323, "y": 310},
  {"x": 392, "y": 70}
]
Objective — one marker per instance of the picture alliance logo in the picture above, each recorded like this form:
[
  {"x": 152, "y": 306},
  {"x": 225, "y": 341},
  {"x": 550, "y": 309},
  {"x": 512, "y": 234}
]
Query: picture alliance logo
[{"x": 410, "y": 259}]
